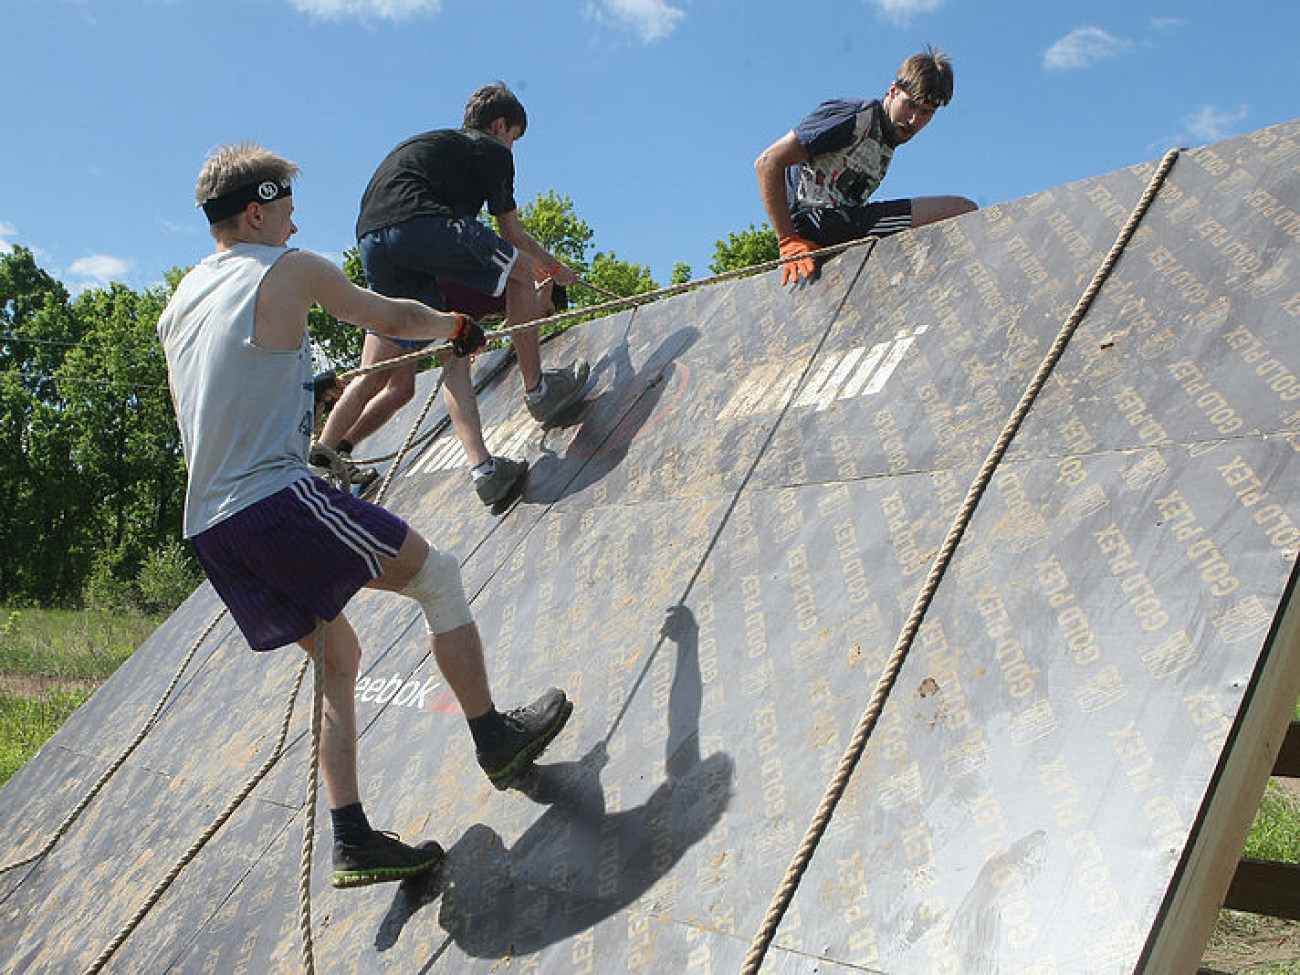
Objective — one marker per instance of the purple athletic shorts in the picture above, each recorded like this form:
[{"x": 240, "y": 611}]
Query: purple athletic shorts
[{"x": 300, "y": 554}]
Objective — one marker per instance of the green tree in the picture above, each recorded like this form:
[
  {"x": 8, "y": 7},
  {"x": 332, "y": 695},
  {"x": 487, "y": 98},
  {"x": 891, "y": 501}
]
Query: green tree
[
  {"x": 620, "y": 277},
  {"x": 681, "y": 273},
  {"x": 337, "y": 343},
  {"x": 125, "y": 450},
  {"x": 756, "y": 245},
  {"x": 37, "y": 329},
  {"x": 551, "y": 220}
]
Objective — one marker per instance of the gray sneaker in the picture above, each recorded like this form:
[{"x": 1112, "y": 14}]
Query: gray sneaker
[
  {"x": 496, "y": 486},
  {"x": 563, "y": 388}
]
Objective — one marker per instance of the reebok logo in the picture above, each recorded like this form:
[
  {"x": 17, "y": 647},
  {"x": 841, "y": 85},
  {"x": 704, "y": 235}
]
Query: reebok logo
[{"x": 403, "y": 693}]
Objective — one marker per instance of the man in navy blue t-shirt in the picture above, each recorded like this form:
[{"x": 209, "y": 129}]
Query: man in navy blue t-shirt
[{"x": 816, "y": 179}]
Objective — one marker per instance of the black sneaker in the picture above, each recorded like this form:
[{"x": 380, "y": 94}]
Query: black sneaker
[
  {"x": 528, "y": 731},
  {"x": 382, "y": 858}
]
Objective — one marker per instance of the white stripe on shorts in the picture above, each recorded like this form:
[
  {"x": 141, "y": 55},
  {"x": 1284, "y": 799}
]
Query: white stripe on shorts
[{"x": 350, "y": 534}]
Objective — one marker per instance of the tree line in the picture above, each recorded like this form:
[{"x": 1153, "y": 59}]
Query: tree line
[{"x": 92, "y": 477}]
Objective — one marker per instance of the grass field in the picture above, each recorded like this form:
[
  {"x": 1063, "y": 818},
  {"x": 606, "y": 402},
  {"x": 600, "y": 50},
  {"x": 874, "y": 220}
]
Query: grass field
[{"x": 50, "y": 662}]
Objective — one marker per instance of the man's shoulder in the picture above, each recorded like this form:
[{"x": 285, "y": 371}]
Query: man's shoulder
[
  {"x": 837, "y": 109},
  {"x": 834, "y": 123}
]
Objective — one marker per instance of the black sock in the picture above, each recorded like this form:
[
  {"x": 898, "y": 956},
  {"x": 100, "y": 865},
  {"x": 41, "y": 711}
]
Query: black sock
[
  {"x": 487, "y": 729},
  {"x": 350, "y": 824},
  {"x": 345, "y": 447}
]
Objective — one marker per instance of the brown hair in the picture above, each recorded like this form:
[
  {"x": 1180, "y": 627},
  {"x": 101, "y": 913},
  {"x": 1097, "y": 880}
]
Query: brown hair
[
  {"x": 927, "y": 77},
  {"x": 492, "y": 102}
]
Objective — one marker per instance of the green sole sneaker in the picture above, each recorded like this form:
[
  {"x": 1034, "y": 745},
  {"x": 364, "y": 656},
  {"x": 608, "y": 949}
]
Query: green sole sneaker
[
  {"x": 382, "y": 859},
  {"x": 528, "y": 731}
]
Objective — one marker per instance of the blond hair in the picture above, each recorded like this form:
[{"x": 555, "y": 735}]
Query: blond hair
[{"x": 229, "y": 167}]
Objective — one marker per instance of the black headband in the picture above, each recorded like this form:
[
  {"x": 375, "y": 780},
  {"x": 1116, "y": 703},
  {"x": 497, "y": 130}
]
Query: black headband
[{"x": 233, "y": 201}]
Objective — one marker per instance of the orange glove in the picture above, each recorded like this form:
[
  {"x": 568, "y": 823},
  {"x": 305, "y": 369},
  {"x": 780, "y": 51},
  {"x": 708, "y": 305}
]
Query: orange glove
[{"x": 793, "y": 247}]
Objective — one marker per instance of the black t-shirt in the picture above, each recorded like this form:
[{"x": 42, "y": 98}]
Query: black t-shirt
[{"x": 444, "y": 173}]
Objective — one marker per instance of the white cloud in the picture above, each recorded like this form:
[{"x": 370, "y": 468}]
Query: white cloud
[
  {"x": 97, "y": 271},
  {"x": 1211, "y": 123},
  {"x": 652, "y": 20},
  {"x": 1167, "y": 23},
  {"x": 901, "y": 12},
  {"x": 1084, "y": 47},
  {"x": 367, "y": 9},
  {"x": 7, "y": 234}
]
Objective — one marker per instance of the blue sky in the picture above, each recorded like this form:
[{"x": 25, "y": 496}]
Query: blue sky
[{"x": 647, "y": 113}]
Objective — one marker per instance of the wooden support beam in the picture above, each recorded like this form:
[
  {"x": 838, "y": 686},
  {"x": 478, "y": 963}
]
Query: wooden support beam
[
  {"x": 1265, "y": 887},
  {"x": 1288, "y": 757}
]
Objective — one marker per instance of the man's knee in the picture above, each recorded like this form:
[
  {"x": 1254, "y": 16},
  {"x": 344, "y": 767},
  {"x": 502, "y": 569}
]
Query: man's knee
[
  {"x": 438, "y": 588},
  {"x": 930, "y": 209},
  {"x": 401, "y": 386},
  {"x": 335, "y": 646}
]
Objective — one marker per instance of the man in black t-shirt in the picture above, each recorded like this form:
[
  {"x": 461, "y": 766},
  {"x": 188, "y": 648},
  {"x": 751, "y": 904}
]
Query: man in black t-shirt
[
  {"x": 418, "y": 228},
  {"x": 816, "y": 179}
]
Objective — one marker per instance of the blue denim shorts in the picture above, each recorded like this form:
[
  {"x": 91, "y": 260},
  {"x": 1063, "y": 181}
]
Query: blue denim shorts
[
  {"x": 407, "y": 259},
  {"x": 296, "y": 556}
]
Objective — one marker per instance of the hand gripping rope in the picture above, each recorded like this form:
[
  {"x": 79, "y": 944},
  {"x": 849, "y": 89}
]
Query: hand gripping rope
[
  {"x": 616, "y": 303},
  {"x": 867, "y": 723}
]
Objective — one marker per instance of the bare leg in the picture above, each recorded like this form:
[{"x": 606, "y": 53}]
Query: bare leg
[
  {"x": 369, "y": 401},
  {"x": 462, "y": 407},
  {"x": 522, "y": 307},
  {"x": 458, "y": 652},
  {"x": 395, "y": 393},
  {"x": 340, "y": 661},
  {"x": 931, "y": 209}
]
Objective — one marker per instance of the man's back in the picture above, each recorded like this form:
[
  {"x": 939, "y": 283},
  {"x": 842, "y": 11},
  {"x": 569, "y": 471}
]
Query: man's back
[
  {"x": 244, "y": 413},
  {"x": 444, "y": 173}
]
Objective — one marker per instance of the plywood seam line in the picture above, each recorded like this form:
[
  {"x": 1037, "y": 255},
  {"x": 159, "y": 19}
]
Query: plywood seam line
[
  {"x": 117, "y": 764},
  {"x": 197, "y": 846},
  {"x": 618, "y": 304},
  {"x": 309, "y": 826},
  {"x": 759, "y": 456},
  {"x": 866, "y": 724}
]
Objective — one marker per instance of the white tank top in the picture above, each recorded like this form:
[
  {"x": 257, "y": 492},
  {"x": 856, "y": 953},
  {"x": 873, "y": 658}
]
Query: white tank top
[{"x": 245, "y": 412}]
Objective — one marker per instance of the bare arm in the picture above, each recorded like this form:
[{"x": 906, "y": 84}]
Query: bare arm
[
  {"x": 300, "y": 279},
  {"x": 515, "y": 232},
  {"x": 770, "y": 168}
]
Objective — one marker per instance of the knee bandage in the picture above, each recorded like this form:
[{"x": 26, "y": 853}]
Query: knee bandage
[{"x": 438, "y": 589}]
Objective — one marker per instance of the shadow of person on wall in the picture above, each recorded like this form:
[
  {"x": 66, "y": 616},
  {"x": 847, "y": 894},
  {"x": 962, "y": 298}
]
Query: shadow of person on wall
[
  {"x": 579, "y": 863},
  {"x": 611, "y": 420}
]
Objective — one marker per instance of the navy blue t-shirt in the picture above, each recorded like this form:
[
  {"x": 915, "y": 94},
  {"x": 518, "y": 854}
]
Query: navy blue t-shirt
[{"x": 848, "y": 155}]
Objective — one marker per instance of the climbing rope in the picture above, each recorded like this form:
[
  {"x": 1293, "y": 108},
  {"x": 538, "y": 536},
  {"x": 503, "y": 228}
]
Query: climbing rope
[
  {"x": 309, "y": 827},
  {"x": 86, "y": 800},
  {"x": 867, "y": 723},
  {"x": 616, "y": 304},
  {"x": 211, "y": 831}
]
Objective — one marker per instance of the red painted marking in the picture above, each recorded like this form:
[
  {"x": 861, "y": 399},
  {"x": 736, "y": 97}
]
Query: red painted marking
[{"x": 633, "y": 425}]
